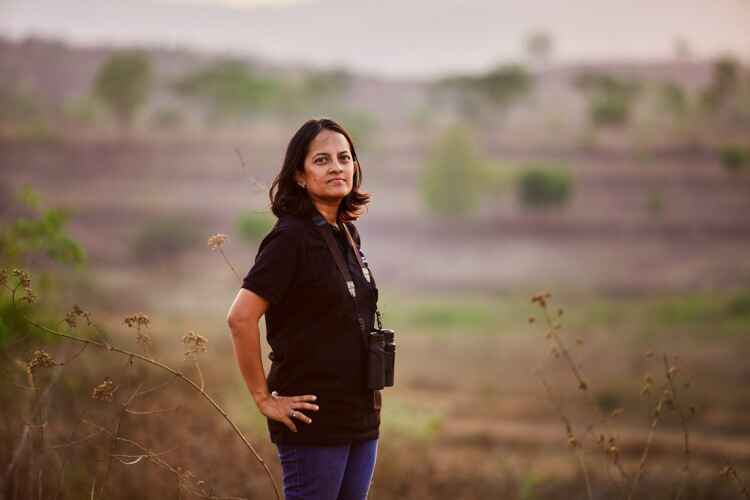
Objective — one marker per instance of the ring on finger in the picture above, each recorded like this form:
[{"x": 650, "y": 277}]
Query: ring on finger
[{"x": 292, "y": 413}]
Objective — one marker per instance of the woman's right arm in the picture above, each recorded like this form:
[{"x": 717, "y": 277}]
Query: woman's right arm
[{"x": 243, "y": 318}]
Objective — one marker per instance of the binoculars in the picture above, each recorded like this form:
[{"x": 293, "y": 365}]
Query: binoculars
[{"x": 381, "y": 358}]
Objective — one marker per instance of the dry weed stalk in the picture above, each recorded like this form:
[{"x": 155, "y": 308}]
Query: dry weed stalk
[
  {"x": 572, "y": 440},
  {"x": 216, "y": 242},
  {"x": 185, "y": 478},
  {"x": 730, "y": 472},
  {"x": 668, "y": 399},
  {"x": 258, "y": 184},
  {"x": 104, "y": 391},
  {"x": 559, "y": 349}
]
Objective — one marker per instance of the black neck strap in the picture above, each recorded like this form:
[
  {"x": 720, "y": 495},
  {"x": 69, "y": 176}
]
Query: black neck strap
[{"x": 320, "y": 224}]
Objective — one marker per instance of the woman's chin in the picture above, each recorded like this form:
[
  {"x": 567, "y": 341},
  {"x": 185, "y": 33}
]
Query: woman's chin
[{"x": 337, "y": 192}]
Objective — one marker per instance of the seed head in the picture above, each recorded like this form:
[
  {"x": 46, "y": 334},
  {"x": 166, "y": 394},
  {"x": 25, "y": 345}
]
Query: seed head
[
  {"x": 531, "y": 319},
  {"x": 104, "y": 391},
  {"x": 540, "y": 299},
  {"x": 194, "y": 343},
  {"x": 617, "y": 412},
  {"x": 217, "y": 241},
  {"x": 73, "y": 314},
  {"x": 23, "y": 277},
  {"x": 579, "y": 340},
  {"x": 4, "y": 276},
  {"x": 138, "y": 320},
  {"x": 726, "y": 471},
  {"x": 40, "y": 359},
  {"x": 30, "y": 296},
  {"x": 572, "y": 441}
]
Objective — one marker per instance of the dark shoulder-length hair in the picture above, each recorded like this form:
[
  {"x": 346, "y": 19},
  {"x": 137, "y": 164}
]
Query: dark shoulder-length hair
[{"x": 289, "y": 198}]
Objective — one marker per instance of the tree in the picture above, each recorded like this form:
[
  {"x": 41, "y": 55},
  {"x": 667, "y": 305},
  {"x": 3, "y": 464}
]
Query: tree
[
  {"x": 123, "y": 84},
  {"x": 481, "y": 96},
  {"x": 453, "y": 177},
  {"x": 539, "y": 47},
  {"x": 545, "y": 185},
  {"x": 724, "y": 84},
  {"x": 232, "y": 89},
  {"x": 610, "y": 98}
]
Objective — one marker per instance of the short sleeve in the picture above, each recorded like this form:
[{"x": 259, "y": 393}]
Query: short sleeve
[{"x": 277, "y": 261}]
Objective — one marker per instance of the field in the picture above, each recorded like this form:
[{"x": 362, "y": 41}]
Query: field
[{"x": 469, "y": 416}]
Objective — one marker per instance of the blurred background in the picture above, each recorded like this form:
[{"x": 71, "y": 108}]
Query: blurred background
[{"x": 598, "y": 151}]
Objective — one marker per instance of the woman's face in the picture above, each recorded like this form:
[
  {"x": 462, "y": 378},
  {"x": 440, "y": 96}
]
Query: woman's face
[{"x": 329, "y": 167}]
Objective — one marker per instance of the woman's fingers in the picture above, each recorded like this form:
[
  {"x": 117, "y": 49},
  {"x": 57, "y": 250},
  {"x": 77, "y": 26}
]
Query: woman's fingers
[
  {"x": 307, "y": 397},
  {"x": 300, "y": 416},
  {"x": 306, "y": 406},
  {"x": 288, "y": 422}
]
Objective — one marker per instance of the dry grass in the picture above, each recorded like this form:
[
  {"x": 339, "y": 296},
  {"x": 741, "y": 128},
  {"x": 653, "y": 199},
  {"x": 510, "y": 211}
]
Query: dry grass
[{"x": 142, "y": 428}]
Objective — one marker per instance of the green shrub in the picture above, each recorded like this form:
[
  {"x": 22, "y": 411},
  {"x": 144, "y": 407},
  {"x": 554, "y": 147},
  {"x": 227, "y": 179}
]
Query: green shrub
[
  {"x": 739, "y": 306},
  {"x": 326, "y": 83},
  {"x": 609, "y": 109},
  {"x": 40, "y": 231},
  {"x": 724, "y": 84},
  {"x": 610, "y": 99},
  {"x": 505, "y": 83},
  {"x": 673, "y": 99},
  {"x": 232, "y": 89},
  {"x": 123, "y": 83},
  {"x": 452, "y": 178},
  {"x": 164, "y": 238},
  {"x": 543, "y": 185},
  {"x": 253, "y": 226},
  {"x": 734, "y": 156},
  {"x": 501, "y": 87},
  {"x": 28, "y": 230}
]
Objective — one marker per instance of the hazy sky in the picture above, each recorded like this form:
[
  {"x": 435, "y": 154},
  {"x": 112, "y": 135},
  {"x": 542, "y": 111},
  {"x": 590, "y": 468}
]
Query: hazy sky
[{"x": 396, "y": 37}]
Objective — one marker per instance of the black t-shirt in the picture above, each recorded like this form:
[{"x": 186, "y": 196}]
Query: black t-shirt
[{"x": 312, "y": 328}]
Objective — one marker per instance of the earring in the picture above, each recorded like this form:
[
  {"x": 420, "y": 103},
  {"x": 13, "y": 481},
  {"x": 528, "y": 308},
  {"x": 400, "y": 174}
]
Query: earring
[{"x": 303, "y": 185}]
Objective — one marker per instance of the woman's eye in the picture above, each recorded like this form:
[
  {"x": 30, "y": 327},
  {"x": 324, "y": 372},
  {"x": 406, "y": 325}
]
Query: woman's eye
[{"x": 321, "y": 159}]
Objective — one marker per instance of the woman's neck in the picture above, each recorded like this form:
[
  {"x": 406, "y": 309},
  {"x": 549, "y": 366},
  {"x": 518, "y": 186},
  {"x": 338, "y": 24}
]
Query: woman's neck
[{"x": 329, "y": 211}]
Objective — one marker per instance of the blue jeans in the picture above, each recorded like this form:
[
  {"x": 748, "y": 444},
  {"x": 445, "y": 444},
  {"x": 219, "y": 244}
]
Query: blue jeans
[{"x": 340, "y": 472}]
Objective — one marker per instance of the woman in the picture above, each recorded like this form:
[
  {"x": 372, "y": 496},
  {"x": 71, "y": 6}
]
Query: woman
[{"x": 321, "y": 416}]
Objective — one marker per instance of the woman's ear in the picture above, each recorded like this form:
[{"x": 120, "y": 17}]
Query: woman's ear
[{"x": 299, "y": 178}]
